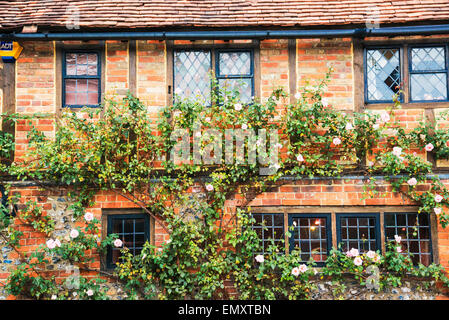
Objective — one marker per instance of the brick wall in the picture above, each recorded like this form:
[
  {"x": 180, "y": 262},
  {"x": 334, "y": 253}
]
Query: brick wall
[{"x": 36, "y": 92}]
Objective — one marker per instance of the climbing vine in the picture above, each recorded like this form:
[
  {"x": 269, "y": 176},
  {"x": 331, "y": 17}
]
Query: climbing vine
[{"x": 118, "y": 149}]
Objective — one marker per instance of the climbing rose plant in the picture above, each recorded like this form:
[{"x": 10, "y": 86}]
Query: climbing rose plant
[{"x": 118, "y": 149}]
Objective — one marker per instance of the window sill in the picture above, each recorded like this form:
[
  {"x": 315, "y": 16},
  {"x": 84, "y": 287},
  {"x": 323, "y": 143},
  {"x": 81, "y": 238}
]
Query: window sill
[{"x": 409, "y": 105}]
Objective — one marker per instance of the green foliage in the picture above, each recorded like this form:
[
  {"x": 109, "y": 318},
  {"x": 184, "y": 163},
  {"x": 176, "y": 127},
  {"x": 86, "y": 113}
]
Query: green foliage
[{"x": 116, "y": 149}]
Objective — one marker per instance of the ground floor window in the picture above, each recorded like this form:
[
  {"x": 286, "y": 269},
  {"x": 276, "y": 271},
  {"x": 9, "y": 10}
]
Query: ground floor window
[
  {"x": 315, "y": 233},
  {"x": 133, "y": 229}
]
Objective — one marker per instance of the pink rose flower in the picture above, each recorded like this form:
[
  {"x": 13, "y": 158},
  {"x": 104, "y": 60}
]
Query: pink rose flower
[
  {"x": 412, "y": 182},
  {"x": 260, "y": 258},
  {"x": 74, "y": 233},
  {"x": 244, "y": 126},
  {"x": 51, "y": 244},
  {"x": 348, "y": 254},
  {"x": 90, "y": 292},
  {"x": 398, "y": 249},
  {"x": 354, "y": 252},
  {"x": 429, "y": 147},
  {"x": 376, "y": 258},
  {"x": 238, "y": 107},
  {"x": 336, "y": 141},
  {"x": 300, "y": 158},
  {"x": 397, "y": 238},
  {"x": 371, "y": 254},
  {"x": 295, "y": 271},
  {"x": 57, "y": 243},
  {"x": 118, "y": 243},
  {"x": 349, "y": 126},
  {"x": 209, "y": 187},
  {"x": 303, "y": 268},
  {"x": 438, "y": 198},
  {"x": 397, "y": 151},
  {"x": 437, "y": 210},
  {"x": 358, "y": 261},
  {"x": 89, "y": 216}
]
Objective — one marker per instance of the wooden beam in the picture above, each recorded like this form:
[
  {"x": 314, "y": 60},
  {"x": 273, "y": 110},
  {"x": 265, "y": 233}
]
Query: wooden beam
[
  {"x": 292, "y": 69},
  {"x": 132, "y": 71},
  {"x": 8, "y": 85}
]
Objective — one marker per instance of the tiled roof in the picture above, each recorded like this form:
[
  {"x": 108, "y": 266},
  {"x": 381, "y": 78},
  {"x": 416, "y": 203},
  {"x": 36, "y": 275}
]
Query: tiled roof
[{"x": 218, "y": 13}]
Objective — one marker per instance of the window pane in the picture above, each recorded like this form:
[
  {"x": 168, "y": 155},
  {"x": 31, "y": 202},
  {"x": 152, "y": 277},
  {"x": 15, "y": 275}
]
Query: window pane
[
  {"x": 126, "y": 228},
  {"x": 429, "y": 86},
  {"x": 310, "y": 236},
  {"x": 415, "y": 237},
  {"x": 361, "y": 233},
  {"x": 234, "y": 63},
  {"x": 241, "y": 86},
  {"x": 382, "y": 73},
  {"x": 274, "y": 224},
  {"x": 427, "y": 59},
  {"x": 192, "y": 74}
]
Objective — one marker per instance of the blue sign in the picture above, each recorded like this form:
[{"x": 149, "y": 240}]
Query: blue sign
[{"x": 6, "y": 45}]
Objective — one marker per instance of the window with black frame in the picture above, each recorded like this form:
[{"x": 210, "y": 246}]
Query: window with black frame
[
  {"x": 415, "y": 233},
  {"x": 358, "y": 231},
  {"x": 81, "y": 79},
  {"x": 269, "y": 227},
  {"x": 382, "y": 74},
  {"x": 428, "y": 74},
  {"x": 132, "y": 229},
  {"x": 233, "y": 69},
  {"x": 311, "y": 235}
]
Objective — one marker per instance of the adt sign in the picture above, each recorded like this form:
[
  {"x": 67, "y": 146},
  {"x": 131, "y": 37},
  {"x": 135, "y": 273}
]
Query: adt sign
[
  {"x": 10, "y": 51},
  {"x": 6, "y": 45}
]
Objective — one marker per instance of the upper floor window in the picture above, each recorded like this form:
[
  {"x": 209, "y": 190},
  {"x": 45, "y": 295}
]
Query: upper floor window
[
  {"x": 383, "y": 75},
  {"x": 81, "y": 79},
  {"x": 423, "y": 79},
  {"x": 428, "y": 74},
  {"x": 233, "y": 69}
]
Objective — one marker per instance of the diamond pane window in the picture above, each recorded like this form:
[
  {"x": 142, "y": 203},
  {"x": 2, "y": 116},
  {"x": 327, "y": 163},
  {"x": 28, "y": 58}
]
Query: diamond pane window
[
  {"x": 132, "y": 229},
  {"x": 235, "y": 63},
  {"x": 269, "y": 226},
  {"x": 428, "y": 59},
  {"x": 235, "y": 73},
  {"x": 82, "y": 79},
  {"x": 192, "y": 75},
  {"x": 311, "y": 234},
  {"x": 382, "y": 74},
  {"x": 428, "y": 74},
  {"x": 414, "y": 230},
  {"x": 358, "y": 231}
]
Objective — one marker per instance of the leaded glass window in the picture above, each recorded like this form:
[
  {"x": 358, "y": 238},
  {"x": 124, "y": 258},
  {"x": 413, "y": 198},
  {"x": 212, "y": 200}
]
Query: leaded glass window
[
  {"x": 358, "y": 231},
  {"x": 192, "y": 75},
  {"x": 132, "y": 229},
  {"x": 81, "y": 79},
  {"x": 383, "y": 75},
  {"x": 192, "y": 71},
  {"x": 414, "y": 229},
  {"x": 235, "y": 73},
  {"x": 269, "y": 226},
  {"x": 311, "y": 235},
  {"x": 428, "y": 74}
]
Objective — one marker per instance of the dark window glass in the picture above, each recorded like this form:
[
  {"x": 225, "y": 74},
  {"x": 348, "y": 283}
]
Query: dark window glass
[
  {"x": 311, "y": 235},
  {"x": 132, "y": 229},
  {"x": 428, "y": 74},
  {"x": 382, "y": 74},
  {"x": 357, "y": 231},
  {"x": 414, "y": 229},
  {"x": 269, "y": 226},
  {"x": 81, "y": 79}
]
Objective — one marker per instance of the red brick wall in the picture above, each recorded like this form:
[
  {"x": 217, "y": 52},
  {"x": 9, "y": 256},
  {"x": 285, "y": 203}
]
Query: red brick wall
[{"x": 36, "y": 92}]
